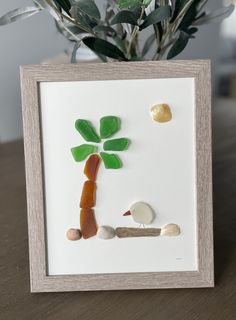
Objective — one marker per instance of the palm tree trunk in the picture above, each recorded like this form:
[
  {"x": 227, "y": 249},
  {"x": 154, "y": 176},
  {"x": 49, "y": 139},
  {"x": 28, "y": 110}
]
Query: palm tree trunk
[{"x": 88, "y": 223}]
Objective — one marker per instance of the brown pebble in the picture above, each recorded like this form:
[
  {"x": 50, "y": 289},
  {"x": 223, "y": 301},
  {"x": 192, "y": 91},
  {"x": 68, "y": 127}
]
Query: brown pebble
[{"x": 74, "y": 234}]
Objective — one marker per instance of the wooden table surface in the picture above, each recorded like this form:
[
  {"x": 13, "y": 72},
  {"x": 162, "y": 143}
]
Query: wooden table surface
[{"x": 219, "y": 303}]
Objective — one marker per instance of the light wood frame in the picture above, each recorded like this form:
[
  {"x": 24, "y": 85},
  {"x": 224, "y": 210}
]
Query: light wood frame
[{"x": 31, "y": 76}]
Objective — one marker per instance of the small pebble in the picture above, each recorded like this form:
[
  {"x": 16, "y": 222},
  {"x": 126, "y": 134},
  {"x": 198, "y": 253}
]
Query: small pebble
[
  {"x": 170, "y": 230},
  {"x": 74, "y": 234},
  {"x": 106, "y": 232}
]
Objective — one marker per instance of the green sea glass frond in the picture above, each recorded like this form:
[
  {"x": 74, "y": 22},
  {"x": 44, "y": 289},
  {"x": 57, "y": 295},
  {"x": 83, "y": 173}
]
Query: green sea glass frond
[
  {"x": 109, "y": 125},
  {"x": 81, "y": 152},
  {"x": 87, "y": 130},
  {"x": 120, "y": 144},
  {"x": 111, "y": 161}
]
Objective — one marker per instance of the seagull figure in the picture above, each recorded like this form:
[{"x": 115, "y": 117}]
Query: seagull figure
[{"x": 141, "y": 213}]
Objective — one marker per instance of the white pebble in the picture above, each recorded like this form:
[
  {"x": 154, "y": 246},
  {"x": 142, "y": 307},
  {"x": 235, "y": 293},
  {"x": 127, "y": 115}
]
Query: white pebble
[
  {"x": 106, "y": 232},
  {"x": 142, "y": 213},
  {"x": 170, "y": 230}
]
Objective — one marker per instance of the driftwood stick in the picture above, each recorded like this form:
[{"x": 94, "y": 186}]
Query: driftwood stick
[{"x": 137, "y": 232}]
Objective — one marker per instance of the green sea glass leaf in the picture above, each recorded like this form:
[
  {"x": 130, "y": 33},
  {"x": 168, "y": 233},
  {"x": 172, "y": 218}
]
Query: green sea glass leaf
[
  {"x": 109, "y": 125},
  {"x": 111, "y": 161},
  {"x": 116, "y": 144},
  {"x": 87, "y": 130},
  {"x": 81, "y": 152}
]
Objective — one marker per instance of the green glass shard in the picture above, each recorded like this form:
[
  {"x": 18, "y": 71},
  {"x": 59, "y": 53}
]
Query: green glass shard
[
  {"x": 81, "y": 152},
  {"x": 87, "y": 130},
  {"x": 109, "y": 125},
  {"x": 111, "y": 161},
  {"x": 116, "y": 144}
]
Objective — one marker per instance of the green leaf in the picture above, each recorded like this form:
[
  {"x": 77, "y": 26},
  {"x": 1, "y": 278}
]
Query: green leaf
[
  {"x": 148, "y": 43},
  {"x": 192, "y": 30},
  {"x": 109, "y": 125},
  {"x": 88, "y": 7},
  {"x": 215, "y": 16},
  {"x": 124, "y": 4},
  {"x": 111, "y": 161},
  {"x": 120, "y": 144},
  {"x": 73, "y": 29},
  {"x": 18, "y": 14},
  {"x": 189, "y": 16},
  {"x": 146, "y": 2},
  {"x": 104, "y": 47},
  {"x": 176, "y": 8},
  {"x": 81, "y": 152},
  {"x": 156, "y": 16},
  {"x": 64, "y": 4},
  {"x": 84, "y": 20},
  {"x": 124, "y": 16},
  {"x": 109, "y": 31},
  {"x": 87, "y": 130},
  {"x": 178, "y": 46}
]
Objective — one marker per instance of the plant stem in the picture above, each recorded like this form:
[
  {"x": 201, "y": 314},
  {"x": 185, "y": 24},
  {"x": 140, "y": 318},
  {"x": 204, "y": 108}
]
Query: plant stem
[
  {"x": 135, "y": 31},
  {"x": 202, "y": 5},
  {"x": 63, "y": 16},
  {"x": 156, "y": 34},
  {"x": 71, "y": 33},
  {"x": 170, "y": 31}
]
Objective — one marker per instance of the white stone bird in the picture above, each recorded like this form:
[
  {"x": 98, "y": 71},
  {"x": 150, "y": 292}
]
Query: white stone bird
[{"x": 141, "y": 213}]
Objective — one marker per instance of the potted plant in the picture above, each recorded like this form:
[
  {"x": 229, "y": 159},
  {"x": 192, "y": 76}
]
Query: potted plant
[{"x": 114, "y": 31}]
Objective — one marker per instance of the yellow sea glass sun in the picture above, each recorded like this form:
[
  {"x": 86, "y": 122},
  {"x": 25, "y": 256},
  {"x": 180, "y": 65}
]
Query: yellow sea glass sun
[{"x": 161, "y": 113}]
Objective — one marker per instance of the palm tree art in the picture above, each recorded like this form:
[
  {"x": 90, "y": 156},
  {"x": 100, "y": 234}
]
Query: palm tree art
[
  {"x": 140, "y": 212},
  {"x": 109, "y": 126}
]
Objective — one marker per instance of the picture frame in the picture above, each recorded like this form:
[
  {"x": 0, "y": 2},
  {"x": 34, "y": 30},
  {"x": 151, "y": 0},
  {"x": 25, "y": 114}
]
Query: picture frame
[{"x": 44, "y": 86}]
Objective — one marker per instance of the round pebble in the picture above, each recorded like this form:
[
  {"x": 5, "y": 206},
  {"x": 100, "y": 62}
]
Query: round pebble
[
  {"x": 170, "y": 230},
  {"x": 73, "y": 234},
  {"x": 106, "y": 232}
]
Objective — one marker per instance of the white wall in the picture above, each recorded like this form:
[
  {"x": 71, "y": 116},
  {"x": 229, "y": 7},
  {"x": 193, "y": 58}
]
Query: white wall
[
  {"x": 24, "y": 42},
  {"x": 35, "y": 39}
]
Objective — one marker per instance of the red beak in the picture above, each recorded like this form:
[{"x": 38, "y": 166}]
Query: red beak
[{"x": 128, "y": 213}]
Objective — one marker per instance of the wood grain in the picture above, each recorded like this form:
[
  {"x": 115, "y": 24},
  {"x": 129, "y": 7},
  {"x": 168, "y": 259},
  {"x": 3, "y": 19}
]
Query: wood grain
[
  {"x": 31, "y": 76},
  {"x": 137, "y": 232},
  {"x": 16, "y": 301}
]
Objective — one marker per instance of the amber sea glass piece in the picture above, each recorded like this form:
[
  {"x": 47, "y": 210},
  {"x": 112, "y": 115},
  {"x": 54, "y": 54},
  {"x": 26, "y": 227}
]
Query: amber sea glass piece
[
  {"x": 161, "y": 113},
  {"x": 88, "y": 197},
  {"x": 88, "y": 224},
  {"x": 91, "y": 167}
]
